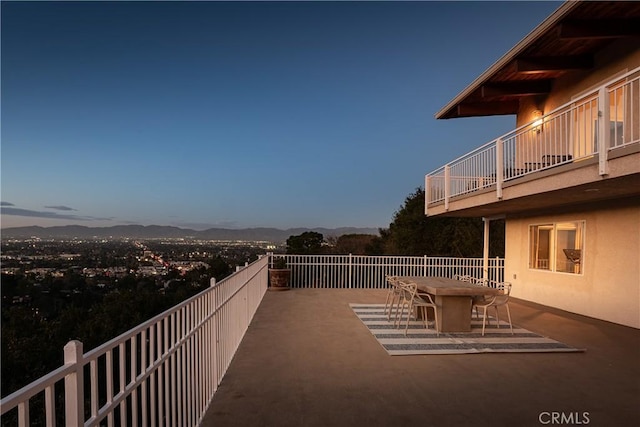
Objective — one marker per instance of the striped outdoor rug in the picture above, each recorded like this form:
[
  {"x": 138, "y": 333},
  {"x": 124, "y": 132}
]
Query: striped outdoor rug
[{"x": 422, "y": 341}]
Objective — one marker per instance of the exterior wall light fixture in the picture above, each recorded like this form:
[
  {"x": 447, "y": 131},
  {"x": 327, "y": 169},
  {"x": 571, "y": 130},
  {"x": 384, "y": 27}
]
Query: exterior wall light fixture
[{"x": 537, "y": 121}]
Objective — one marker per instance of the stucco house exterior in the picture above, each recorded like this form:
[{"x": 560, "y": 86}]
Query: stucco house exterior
[{"x": 567, "y": 179}]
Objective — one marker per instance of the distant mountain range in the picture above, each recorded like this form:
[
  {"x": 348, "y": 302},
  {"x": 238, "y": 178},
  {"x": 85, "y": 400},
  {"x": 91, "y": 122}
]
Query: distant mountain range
[{"x": 156, "y": 231}]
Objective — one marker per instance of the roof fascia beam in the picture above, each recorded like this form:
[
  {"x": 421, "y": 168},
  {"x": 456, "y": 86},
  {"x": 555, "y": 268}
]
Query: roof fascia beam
[
  {"x": 516, "y": 89},
  {"x": 598, "y": 29},
  {"x": 488, "y": 108},
  {"x": 546, "y": 64}
]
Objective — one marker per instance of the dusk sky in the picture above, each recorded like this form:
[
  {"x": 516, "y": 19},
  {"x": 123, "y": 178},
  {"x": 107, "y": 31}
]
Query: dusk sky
[{"x": 239, "y": 114}]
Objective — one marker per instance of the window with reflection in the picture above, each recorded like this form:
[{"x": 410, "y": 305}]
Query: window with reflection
[{"x": 557, "y": 247}]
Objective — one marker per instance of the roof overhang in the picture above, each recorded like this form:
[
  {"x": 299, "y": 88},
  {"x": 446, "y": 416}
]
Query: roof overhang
[{"x": 565, "y": 42}]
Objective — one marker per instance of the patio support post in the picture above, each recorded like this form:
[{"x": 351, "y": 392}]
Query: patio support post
[
  {"x": 447, "y": 186},
  {"x": 426, "y": 194},
  {"x": 485, "y": 251},
  {"x": 499, "y": 167},
  {"x": 604, "y": 135}
]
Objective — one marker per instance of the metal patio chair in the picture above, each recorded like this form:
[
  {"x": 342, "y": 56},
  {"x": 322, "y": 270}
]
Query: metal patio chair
[
  {"x": 412, "y": 298},
  {"x": 480, "y": 299},
  {"x": 394, "y": 295},
  {"x": 495, "y": 301}
]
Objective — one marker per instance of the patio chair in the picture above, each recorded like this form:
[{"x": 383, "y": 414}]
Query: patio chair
[
  {"x": 495, "y": 301},
  {"x": 479, "y": 281},
  {"x": 401, "y": 304},
  {"x": 393, "y": 296},
  {"x": 482, "y": 298},
  {"x": 412, "y": 298}
]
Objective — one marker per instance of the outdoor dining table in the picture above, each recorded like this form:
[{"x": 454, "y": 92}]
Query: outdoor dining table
[{"x": 453, "y": 298}]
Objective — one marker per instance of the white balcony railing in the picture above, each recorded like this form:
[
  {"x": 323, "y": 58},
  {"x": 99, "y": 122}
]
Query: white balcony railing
[
  {"x": 162, "y": 372},
  {"x": 568, "y": 134},
  {"x": 368, "y": 272},
  {"x": 166, "y": 370}
]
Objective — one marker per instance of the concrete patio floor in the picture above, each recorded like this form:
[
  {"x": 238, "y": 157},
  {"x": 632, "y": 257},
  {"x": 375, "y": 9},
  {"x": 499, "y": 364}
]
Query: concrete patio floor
[{"x": 307, "y": 360}]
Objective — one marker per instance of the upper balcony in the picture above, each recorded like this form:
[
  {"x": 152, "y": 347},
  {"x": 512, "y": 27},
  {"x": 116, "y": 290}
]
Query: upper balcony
[{"x": 584, "y": 151}]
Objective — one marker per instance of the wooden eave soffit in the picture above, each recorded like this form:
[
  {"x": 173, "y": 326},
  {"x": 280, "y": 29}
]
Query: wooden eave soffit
[
  {"x": 553, "y": 63},
  {"x": 516, "y": 89},
  {"x": 496, "y": 108},
  {"x": 599, "y": 29}
]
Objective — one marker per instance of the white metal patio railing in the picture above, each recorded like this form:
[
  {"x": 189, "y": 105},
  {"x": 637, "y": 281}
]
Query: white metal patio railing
[
  {"x": 162, "y": 372},
  {"x": 165, "y": 371},
  {"x": 368, "y": 272},
  {"x": 568, "y": 134}
]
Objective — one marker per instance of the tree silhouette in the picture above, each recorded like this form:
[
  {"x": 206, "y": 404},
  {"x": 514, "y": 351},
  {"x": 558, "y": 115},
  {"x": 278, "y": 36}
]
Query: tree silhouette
[
  {"x": 309, "y": 242},
  {"x": 413, "y": 233},
  {"x": 356, "y": 244}
]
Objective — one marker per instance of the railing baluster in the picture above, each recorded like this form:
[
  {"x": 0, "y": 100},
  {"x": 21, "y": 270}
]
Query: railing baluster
[
  {"x": 50, "y": 406},
  {"x": 122, "y": 367},
  {"x": 167, "y": 378},
  {"x": 176, "y": 368},
  {"x": 153, "y": 382},
  {"x": 172, "y": 380},
  {"x": 23, "y": 414},
  {"x": 134, "y": 374},
  {"x": 109, "y": 384},
  {"x": 93, "y": 373},
  {"x": 143, "y": 369}
]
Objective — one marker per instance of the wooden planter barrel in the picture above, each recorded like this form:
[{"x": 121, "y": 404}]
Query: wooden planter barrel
[{"x": 279, "y": 279}]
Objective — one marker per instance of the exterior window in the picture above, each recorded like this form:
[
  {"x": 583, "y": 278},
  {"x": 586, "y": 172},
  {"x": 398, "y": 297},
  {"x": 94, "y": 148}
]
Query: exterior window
[{"x": 557, "y": 247}]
